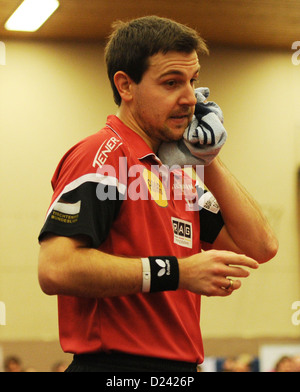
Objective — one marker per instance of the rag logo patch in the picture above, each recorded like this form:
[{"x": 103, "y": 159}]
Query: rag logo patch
[
  {"x": 183, "y": 233},
  {"x": 156, "y": 188}
]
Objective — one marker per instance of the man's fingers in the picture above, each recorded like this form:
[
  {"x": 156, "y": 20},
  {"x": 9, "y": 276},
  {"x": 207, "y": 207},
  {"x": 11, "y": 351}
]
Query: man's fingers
[
  {"x": 209, "y": 272},
  {"x": 230, "y": 285},
  {"x": 237, "y": 272},
  {"x": 239, "y": 259},
  {"x": 223, "y": 290}
]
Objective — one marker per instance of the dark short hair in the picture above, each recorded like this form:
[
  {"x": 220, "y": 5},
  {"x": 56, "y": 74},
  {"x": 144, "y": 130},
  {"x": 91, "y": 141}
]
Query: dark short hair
[{"x": 132, "y": 43}]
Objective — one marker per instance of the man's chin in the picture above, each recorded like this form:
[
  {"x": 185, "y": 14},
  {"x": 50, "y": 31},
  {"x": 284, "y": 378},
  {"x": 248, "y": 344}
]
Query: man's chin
[
  {"x": 172, "y": 136},
  {"x": 177, "y": 135}
]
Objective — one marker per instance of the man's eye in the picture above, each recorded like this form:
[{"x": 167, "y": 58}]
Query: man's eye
[{"x": 171, "y": 83}]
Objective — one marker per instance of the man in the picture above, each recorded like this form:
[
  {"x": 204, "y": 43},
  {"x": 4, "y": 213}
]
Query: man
[{"x": 123, "y": 254}]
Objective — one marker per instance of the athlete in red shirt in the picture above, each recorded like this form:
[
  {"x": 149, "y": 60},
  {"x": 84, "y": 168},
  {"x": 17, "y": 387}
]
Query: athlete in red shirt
[{"x": 123, "y": 238}]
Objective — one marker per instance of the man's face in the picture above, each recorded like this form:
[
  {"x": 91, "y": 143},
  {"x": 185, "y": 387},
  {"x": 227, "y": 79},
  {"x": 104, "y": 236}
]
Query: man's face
[{"x": 164, "y": 101}]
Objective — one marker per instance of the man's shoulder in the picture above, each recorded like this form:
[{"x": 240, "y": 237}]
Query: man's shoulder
[
  {"x": 89, "y": 154},
  {"x": 107, "y": 145}
]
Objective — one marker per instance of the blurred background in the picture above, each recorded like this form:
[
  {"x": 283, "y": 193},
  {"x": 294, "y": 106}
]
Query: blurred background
[{"x": 54, "y": 91}]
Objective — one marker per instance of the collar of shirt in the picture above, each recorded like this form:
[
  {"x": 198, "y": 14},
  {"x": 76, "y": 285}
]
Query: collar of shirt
[{"x": 134, "y": 140}]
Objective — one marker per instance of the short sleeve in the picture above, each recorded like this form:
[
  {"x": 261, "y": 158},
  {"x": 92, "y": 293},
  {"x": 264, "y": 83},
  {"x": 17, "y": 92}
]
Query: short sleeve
[
  {"x": 81, "y": 212},
  {"x": 211, "y": 220}
]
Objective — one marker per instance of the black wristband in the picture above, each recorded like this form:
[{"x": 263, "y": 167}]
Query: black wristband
[{"x": 160, "y": 273}]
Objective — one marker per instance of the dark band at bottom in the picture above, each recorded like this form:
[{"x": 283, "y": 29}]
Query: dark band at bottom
[{"x": 114, "y": 362}]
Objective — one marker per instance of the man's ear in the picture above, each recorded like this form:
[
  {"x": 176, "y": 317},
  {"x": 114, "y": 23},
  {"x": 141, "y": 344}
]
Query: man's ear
[{"x": 123, "y": 84}]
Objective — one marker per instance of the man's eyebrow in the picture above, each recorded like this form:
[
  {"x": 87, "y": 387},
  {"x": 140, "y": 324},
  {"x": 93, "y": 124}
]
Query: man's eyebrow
[{"x": 176, "y": 72}]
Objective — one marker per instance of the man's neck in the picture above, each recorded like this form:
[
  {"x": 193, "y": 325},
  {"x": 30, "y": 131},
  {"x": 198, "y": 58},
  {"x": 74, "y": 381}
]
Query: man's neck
[{"x": 130, "y": 122}]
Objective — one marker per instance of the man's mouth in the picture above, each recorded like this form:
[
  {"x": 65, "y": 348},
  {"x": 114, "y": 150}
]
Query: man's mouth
[
  {"x": 181, "y": 118},
  {"x": 181, "y": 115}
]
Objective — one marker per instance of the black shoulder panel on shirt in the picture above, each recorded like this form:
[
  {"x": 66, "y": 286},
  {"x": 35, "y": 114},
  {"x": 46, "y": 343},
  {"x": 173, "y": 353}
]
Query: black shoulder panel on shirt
[{"x": 84, "y": 211}]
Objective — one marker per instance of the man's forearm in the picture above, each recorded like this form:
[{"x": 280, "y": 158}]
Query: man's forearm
[
  {"x": 244, "y": 221},
  {"x": 68, "y": 267}
]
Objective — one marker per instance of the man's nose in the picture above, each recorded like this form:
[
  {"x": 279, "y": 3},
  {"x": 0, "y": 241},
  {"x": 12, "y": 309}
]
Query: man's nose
[{"x": 188, "y": 96}]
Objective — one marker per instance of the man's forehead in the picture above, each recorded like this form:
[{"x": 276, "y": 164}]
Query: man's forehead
[{"x": 180, "y": 61}]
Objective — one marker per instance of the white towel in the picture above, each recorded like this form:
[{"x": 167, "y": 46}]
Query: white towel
[{"x": 203, "y": 138}]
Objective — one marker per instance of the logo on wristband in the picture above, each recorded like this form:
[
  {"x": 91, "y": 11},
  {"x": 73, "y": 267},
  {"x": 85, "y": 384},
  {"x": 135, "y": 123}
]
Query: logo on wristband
[
  {"x": 165, "y": 267},
  {"x": 160, "y": 273}
]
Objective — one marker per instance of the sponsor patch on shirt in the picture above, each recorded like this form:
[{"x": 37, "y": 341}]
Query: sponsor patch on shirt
[
  {"x": 183, "y": 232},
  {"x": 208, "y": 202},
  {"x": 156, "y": 188},
  {"x": 66, "y": 212}
]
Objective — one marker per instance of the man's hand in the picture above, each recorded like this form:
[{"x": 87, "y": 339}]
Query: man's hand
[{"x": 208, "y": 273}]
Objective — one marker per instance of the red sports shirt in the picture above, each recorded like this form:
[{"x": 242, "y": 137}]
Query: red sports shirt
[{"x": 112, "y": 188}]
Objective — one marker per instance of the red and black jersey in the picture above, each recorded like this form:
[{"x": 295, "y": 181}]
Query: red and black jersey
[{"x": 112, "y": 188}]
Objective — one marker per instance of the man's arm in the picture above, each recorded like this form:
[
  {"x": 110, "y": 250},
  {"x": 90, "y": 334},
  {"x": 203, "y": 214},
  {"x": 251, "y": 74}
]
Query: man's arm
[
  {"x": 68, "y": 266},
  {"x": 246, "y": 229}
]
